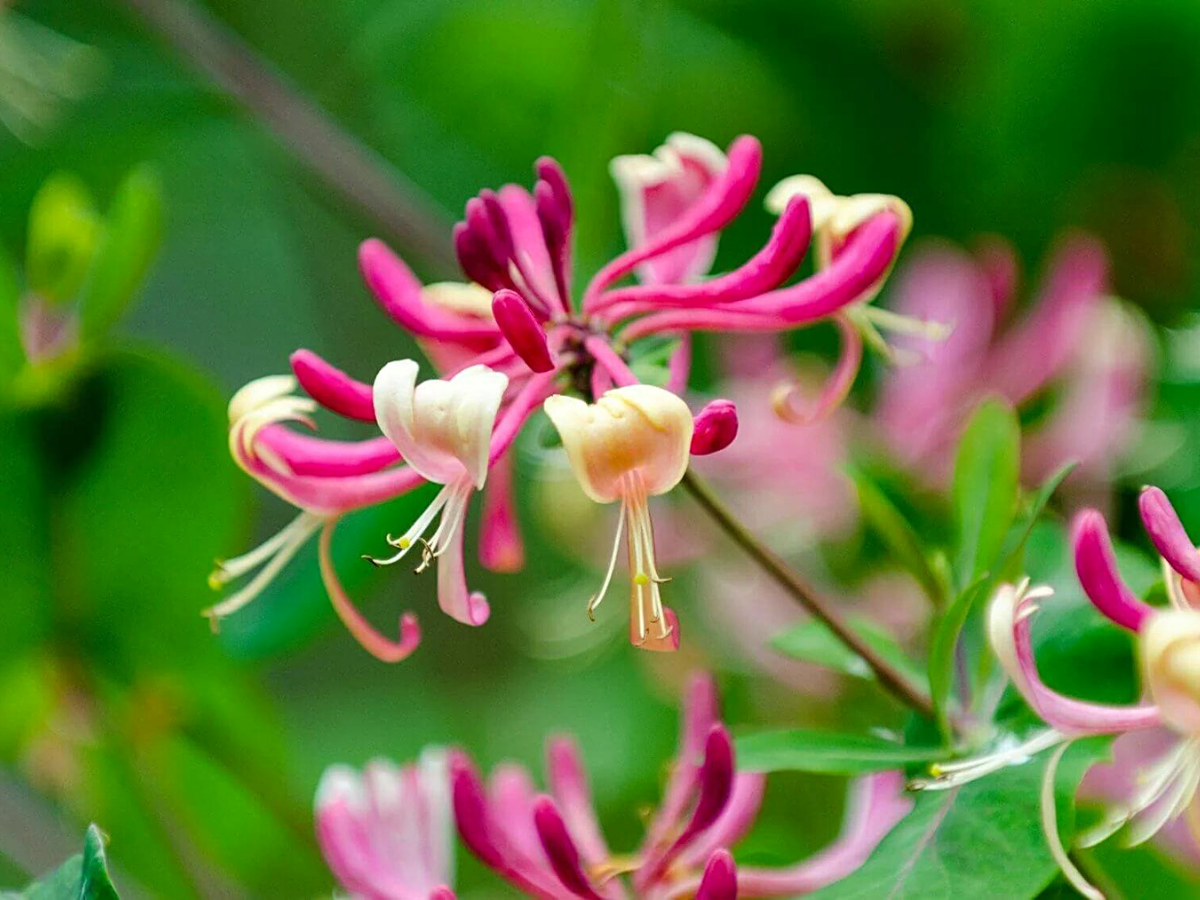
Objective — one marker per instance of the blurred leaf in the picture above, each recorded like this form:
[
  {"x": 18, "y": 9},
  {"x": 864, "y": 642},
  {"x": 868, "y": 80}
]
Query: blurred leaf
[
  {"x": 132, "y": 235},
  {"x": 819, "y": 751},
  {"x": 898, "y": 535},
  {"x": 12, "y": 355},
  {"x": 981, "y": 840},
  {"x": 812, "y": 641},
  {"x": 83, "y": 877},
  {"x": 64, "y": 228},
  {"x": 985, "y": 487}
]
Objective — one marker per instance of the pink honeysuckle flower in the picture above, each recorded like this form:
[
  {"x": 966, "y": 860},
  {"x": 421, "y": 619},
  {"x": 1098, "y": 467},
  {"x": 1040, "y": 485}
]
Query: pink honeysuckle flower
[
  {"x": 1075, "y": 339},
  {"x": 387, "y": 833},
  {"x": 1168, "y": 641},
  {"x": 550, "y": 846},
  {"x": 516, "y": 317}
]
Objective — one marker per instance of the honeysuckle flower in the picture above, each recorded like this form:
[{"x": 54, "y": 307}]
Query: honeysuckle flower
[
  {"x": 1168, "y": 644},
  {"x": 443, "y": 430},
  {"x": 550, "y": 845},
  {"x": 515, "y": 315},
  {"x": 630, "y": 445},
  {"x": 387, "y": 833},
  {"x": 1075, "y": 340}
]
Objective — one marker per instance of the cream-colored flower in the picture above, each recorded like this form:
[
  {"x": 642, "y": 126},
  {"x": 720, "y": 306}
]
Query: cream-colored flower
[
  {"x": 628, "y": 446},
  {"x": 1170, "y": 653}
]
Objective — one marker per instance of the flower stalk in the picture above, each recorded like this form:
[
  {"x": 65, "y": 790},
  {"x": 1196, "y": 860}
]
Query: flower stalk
[{"x": 805, "y": 595}]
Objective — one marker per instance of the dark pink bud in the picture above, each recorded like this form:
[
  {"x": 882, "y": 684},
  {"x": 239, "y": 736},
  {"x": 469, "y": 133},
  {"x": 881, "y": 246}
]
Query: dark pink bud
[
  {"x": 444, "y": 893},
  {"x": 716, "y": 427},
  {"x": 719, "y": 881},
  {"x": 522, "y": 331},
  {"x": 549, "y": 171},
  {"x": 560, "y": 848}
]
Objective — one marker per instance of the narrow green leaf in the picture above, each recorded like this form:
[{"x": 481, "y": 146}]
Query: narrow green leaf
[
  {"x": 132, "y": 235},
  {"x": 12, "y": 355},
  {"x": 897, "y": 534},
  {"x": 819, "y": 751},
  {"x": 985, "y": 487},
  {"x": 813, "y": 642}
]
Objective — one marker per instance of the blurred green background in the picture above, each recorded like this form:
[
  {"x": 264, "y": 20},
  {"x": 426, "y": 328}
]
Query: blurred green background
[{"x": 200, "y": 755}]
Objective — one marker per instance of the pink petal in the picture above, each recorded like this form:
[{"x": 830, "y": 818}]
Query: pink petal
[
  {"x": 306, "y": 455},
  {"x": 720, "y": 880},
  {"x": 455, "y": 599},
  {"x": 836, "y": 388},
  {"x": 719, "y": 205},
  {"x": 333, "y": 388},
  {"x": 372, "y": 641},
  {"x": 560, "y": 849},
  {"x": 399, "y": 294},
  {"x": 1096, "y": 566},
  {"x": 1167, "y": 532},
  {"x": 568, "y": 783}
]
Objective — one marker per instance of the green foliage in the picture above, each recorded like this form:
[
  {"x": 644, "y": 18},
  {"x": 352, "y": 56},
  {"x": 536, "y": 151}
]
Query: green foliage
[
  {"x": 818, "y": 751},
  {"x": 981, "y": 840},
  {"x": 64, "y": 229},
  {"x": 984, "y": 492},
  {"x": 813, "y": 642},
  {"x": 82, "y": 877}
]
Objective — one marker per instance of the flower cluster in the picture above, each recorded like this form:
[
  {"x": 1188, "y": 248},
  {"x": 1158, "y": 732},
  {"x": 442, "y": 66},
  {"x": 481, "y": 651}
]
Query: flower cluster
[
  {"x": 385, "y": 833},
  {"x": 511, "y": 340}
]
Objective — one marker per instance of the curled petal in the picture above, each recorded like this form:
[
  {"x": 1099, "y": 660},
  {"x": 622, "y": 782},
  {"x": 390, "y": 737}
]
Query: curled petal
[
  {"x": 560, "y": 849},
  {"x": 332, "y": 388},
  {"x": 737, "y": 819},
  {"x": 785, "y": 399},
  {"x": 454, "y": 597},
  {"x": 1009, "y": 619},
  {"x": 1167, "y": 532},
  {"x": 766, "y": 270},
  {"x": 399, "y": 294},
  {"x": 302, "y": 454},
  {"x": 716, "y": 426},
  {"x": 372, "y": 641},
  {"x": 723, "y": 200},
  {"x": 854, "y": 272},
  {"x": 522, "y": 331},
  {"x": 719, "y": 881},
  {"x": 1096, "y": 566}
]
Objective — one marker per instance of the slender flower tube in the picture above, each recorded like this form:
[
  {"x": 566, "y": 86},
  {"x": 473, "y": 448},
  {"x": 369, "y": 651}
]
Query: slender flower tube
[
  {"x": 628, "y": 446},
  {"x": 443, "y": 429},
  {"x": 550, "y": 846},
  {"x": 387, "y": 832},
  {"x": 1168, "y": 642}
]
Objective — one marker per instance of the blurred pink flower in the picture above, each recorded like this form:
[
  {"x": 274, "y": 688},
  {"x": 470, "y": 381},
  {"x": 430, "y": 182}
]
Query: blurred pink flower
[
  {"x": 387, "y": 833},
  {"x": 550, "y": 846},
  {"x": 1075, "y": 340}
]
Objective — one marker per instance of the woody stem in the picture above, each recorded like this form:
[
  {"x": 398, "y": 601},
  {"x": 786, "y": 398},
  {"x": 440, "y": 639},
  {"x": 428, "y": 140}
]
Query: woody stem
[{"x": 805, "y": 595}]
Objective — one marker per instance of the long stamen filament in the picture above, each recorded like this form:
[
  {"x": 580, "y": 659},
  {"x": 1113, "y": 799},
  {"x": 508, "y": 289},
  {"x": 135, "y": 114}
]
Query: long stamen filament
[
  {"x": 953, "y": 774},
  {"x": 229, "y": 569},
  {"x": 301, "y": 528},
  {"x": 414, "y": 534},
  {"x": 612, "y": 565}
]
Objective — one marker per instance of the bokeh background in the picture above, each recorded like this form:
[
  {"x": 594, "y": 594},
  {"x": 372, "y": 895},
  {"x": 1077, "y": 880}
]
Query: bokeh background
[{"x": 199, "y": 755}]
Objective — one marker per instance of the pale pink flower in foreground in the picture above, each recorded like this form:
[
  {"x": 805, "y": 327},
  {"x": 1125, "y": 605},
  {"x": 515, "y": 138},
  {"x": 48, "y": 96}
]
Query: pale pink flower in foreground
[
  {"x": 514, "y": 246},
  {"x": 550, "y": 845},
  {"x": 1168, "y": 643},
  {"x": 387, "y": 833},
  {"x": 1074, "y": 339}
]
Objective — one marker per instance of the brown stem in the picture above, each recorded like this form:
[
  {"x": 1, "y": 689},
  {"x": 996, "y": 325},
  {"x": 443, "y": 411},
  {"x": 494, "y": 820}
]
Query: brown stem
[
  {"x": 360, "y": 175},
  {"x": 804, "y": 594}
]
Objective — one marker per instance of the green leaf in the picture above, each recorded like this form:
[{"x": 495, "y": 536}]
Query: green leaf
[
  {"x": 82, "y": 877},
  {"x": 898, "y": 535},
  {"x": 131, "y": 239},
  {"x": 984, "y": 492},
  {"x": 826, "y": 752},
  {"x": 64, "y": 229},
  {"x": 812, "y": 641},
  {"x": 982, "y": 840}
]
